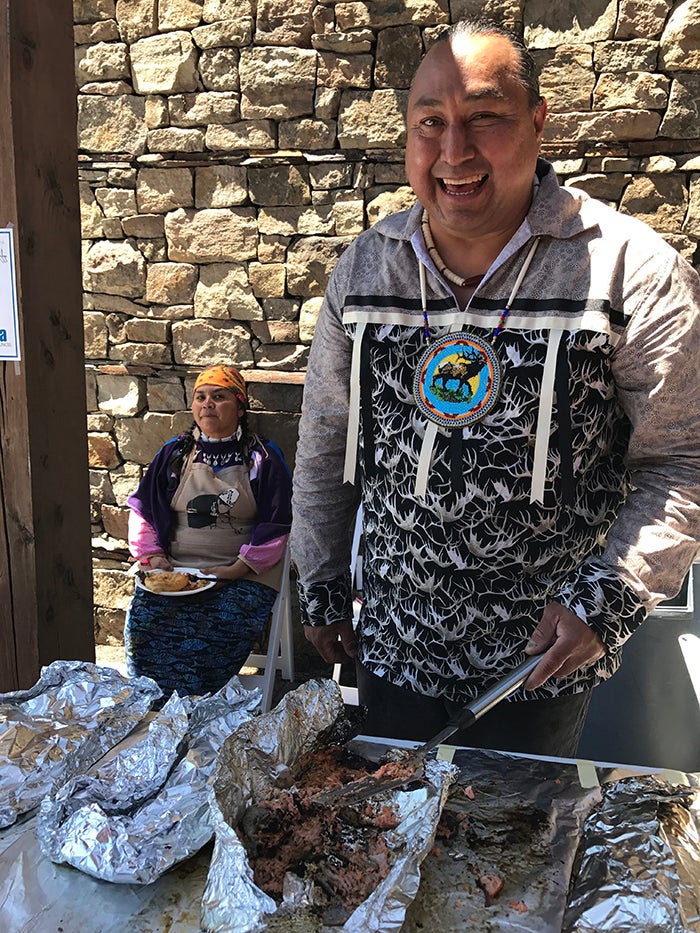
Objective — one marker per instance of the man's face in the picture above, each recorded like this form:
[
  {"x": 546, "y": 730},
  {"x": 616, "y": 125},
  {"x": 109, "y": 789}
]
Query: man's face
[{"x": 473, "y": 139}]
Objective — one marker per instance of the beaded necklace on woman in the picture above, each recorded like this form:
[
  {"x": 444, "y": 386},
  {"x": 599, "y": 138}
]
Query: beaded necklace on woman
[{"x": 458, "y": 376}]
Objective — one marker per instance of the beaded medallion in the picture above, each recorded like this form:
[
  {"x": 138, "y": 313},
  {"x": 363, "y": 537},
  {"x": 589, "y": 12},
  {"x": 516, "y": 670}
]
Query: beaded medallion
[{"x": 457, "y": 380}]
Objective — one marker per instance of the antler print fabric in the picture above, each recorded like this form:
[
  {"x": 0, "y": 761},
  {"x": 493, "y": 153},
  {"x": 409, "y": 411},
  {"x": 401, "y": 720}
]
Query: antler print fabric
[{"x": 456, "y": 580}]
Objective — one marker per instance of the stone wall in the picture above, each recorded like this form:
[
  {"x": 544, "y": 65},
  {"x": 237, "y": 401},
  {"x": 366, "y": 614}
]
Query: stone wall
[{"x": 231, "y": 149}]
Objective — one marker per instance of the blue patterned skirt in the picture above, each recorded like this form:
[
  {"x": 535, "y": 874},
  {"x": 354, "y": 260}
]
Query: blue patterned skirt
[{"x": 195, "y": 644}]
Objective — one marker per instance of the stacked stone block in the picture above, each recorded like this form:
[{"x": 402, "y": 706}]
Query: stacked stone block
[{"x": 231, "y": 149}]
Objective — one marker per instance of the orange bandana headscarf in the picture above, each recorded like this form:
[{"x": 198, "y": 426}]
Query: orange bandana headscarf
[{"x": 228, "y": 378}]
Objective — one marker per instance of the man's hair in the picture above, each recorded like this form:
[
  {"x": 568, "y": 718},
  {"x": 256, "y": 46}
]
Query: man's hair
[{"x": 483, "y": 26}]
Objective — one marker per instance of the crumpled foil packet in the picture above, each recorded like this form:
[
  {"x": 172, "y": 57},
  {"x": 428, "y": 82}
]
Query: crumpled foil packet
[
  {"x": 146, "y": 807},
  {"x": 250, "y": 763},
  {"x": 638, "y": 865},
  {"x": 518, "y": 819},
  {"x": 74, "y": 713}
]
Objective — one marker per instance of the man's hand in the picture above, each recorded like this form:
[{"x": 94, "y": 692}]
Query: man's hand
[
  {"x": 572, "y": 645},
  {"x": 335, "y": 643}
]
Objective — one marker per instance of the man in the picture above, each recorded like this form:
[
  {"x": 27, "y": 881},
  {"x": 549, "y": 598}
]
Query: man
[{"x": 507, "y": 374}]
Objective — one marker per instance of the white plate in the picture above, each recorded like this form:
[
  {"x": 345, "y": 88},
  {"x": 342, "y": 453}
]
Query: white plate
[{"x": 191, "y": 570}]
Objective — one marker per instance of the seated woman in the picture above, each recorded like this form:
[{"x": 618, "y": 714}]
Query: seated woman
[{"x": 217, "y": 498}]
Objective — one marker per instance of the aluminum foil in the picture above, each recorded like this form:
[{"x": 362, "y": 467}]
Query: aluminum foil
[
  {"x": 639, "y": 861},
  {"x": 146, "y": 807},
  {"x": 37, "y": 896},
  {"x": 74, "y": 713},
  {"x": 250, "y": 763},
  {"x": 508, "y": 817}
]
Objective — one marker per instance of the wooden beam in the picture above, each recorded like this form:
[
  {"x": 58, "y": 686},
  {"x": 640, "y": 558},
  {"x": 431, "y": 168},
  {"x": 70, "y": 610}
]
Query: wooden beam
[{"x": 45, "y": 556}]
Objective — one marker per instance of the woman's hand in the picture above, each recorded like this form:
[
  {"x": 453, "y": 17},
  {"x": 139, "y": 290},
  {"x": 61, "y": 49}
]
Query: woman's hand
[
  {"x": 155, "y": 562},
  {"x": 233, "y": 571}
]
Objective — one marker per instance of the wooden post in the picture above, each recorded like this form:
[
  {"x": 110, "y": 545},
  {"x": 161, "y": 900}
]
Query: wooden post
[{"x": 45, "y": 555}]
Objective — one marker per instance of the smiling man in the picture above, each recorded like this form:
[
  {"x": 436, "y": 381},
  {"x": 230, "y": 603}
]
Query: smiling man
[
  {"x": 507, "y": 377},
  {"x": 473, "y": 135}
]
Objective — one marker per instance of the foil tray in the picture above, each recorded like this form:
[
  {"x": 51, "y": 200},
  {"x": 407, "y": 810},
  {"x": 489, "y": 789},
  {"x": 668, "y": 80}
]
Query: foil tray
[
  {"x": 566, "y": 838},
  {"x": 251, "y": 762},
  {"x": 145, "y": 808},
  {"x": 69, "y": 719}
]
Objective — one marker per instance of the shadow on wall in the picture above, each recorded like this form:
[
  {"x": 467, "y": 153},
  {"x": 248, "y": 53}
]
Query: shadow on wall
[{"x": 568, "y": 16}]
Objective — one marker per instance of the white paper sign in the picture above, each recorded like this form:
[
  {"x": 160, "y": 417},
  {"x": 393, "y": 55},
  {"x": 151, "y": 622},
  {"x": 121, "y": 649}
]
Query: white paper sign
[{"x": 9, "y": 328}]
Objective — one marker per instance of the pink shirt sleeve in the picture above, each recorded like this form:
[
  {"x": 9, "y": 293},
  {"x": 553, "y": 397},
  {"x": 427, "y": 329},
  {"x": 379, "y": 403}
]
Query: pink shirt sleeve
[
  {"x": 142, "y": 537},
  {"x": 262, "y": 557}
]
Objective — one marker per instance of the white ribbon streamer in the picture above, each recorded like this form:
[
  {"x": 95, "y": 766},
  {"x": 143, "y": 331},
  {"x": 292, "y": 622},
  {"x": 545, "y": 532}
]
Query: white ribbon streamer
[
  {"x": 425, "y": 460},
  {"x": 544, "y": 418},
  {"x": 426, "y": 453},
  {"x": 354, "y": 408}
]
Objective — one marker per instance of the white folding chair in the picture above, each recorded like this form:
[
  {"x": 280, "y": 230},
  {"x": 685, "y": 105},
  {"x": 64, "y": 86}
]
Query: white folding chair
[
  {"x": 349, "y": 694},
  {"x": 280, "y": 645},
  {"x": 690, "y": 641}
]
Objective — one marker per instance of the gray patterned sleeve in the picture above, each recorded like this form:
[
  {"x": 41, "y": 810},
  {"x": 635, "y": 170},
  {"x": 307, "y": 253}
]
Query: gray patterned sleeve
[
  {"x": 654, "y": 539},
  {"x": 323, "y": 506}
]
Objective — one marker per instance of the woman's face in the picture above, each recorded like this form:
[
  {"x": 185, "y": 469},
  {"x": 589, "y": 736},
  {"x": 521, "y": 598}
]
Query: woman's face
[{"x": 216, "y": 411}]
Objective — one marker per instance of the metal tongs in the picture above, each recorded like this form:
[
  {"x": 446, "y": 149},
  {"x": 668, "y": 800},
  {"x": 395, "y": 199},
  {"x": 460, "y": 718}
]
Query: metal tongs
[{"x": 356, "y": 791}]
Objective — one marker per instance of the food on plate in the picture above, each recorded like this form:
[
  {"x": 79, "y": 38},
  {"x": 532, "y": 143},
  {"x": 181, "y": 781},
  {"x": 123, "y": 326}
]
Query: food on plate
[
  {"x": 172, "y": 582},
  {"x": 164, "y": 582},
  {"x": 340, "y": 849}
]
